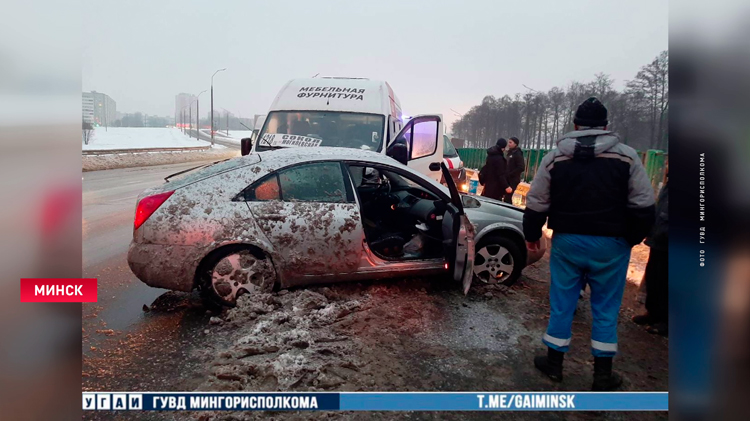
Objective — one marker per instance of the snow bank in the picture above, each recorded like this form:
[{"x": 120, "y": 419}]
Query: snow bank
[
  {"x": 144, "y": 159},
  {"x": 140, "y": 137}
]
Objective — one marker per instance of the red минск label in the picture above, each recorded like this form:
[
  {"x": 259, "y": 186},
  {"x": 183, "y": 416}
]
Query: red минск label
[{"x": 58, "y": 290}]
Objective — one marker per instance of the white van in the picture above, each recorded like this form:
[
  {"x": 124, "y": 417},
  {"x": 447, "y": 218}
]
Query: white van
[{"x": 354, "y": 113}]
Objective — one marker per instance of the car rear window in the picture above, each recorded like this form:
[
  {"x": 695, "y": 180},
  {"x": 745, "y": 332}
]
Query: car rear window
[{"x": 210, "y": 170}]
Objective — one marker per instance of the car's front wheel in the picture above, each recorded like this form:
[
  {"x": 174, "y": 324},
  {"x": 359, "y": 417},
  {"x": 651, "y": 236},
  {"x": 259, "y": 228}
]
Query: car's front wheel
[
  {"x": 234, "y": 270},
  {"x": 498, "y": 260}
]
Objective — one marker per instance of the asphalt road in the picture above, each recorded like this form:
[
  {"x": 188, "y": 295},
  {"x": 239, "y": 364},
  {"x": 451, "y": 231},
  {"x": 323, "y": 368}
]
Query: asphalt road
[{"x": 118, "y": 322}]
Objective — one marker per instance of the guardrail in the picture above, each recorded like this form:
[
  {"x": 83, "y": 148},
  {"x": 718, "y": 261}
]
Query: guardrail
[{"x": 143, "y": 150}]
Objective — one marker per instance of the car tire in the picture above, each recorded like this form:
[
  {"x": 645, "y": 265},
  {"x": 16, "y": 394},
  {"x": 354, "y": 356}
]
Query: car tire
[
  {"x": 231, "y": 271},
  {"x": 494, "y": 253}
]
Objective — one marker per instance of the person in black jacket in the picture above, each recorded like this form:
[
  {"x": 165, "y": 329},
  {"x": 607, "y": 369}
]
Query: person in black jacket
[
  {"x": 657, "y": 270},
  {"x": 493, "y": 176},
  {"x": 516, "y": 165},
  {"x": 594, "y": 193}
]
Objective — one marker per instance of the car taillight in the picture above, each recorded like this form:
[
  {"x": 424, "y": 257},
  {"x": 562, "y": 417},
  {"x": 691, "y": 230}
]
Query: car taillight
[{"x": 147, "y": 206}]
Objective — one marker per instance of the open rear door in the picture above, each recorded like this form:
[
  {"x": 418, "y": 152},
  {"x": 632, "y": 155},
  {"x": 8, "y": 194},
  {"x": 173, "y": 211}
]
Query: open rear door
[
  {"x": 423, "y": 135},
  {"x": 458, "y": 234}
]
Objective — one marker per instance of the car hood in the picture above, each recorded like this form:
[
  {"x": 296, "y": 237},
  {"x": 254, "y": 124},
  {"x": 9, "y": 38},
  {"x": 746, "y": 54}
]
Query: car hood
[
  {"x": 492, "y": 202},
  {"x": 495, "y": 207}
]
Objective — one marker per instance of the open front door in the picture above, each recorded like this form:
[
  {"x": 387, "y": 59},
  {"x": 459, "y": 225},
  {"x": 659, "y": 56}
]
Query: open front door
[
  {"x": 458, "y": 234},
  {"x": 423, "y": 135}
]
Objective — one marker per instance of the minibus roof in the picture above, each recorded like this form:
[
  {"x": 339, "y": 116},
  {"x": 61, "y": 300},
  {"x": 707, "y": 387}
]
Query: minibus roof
[{"x": 357, "y": 95}]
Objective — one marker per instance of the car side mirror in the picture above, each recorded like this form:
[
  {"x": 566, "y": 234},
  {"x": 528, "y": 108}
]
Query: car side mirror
[
  {"x": 398, "y": 151},
  {"x": 246, "y": 145},
  {"x": 434, "y": 166}
]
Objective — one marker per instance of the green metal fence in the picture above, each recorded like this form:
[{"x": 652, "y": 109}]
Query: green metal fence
[
  {"x": 655, "y": 162},
  {"x": 533, "y": 160},
  {"x": 473, "y": 158}
]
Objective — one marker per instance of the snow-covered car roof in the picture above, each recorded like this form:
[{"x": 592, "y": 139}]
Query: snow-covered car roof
[
  {"x": 279, "y": 158},
  {"x": 269, "y": 161},
  {"x": 285, "y": 156}
]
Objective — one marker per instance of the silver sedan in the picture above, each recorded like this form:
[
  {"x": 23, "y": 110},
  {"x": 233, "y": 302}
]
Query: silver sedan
[{"x": 301, "y": 216}]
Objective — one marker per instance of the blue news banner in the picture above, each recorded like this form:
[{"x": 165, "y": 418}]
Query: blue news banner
[{"x": 377, "y": 401}]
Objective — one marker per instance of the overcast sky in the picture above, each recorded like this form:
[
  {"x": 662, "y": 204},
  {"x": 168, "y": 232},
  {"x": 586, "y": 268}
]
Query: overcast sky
[{"x": 436, "y": 55}]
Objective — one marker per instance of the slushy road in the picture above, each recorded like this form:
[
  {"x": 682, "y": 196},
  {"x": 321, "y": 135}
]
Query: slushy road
[{"x": 119, "y": 337}]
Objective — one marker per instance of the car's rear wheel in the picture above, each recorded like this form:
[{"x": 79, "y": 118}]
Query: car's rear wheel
[
  {"x": 234, "y": 270},
  {"x": 498, "y": 260}
]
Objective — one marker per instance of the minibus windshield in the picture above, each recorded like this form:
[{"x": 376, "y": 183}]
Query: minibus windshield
[{"x": 322, "y": 128}]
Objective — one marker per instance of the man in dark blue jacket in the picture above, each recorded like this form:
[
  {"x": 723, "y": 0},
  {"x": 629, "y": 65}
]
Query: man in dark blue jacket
[{"x": 594, "y": 194}]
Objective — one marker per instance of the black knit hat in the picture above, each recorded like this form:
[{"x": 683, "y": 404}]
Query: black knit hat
[
  {"x": 515, "y": 140},
  {"x": 501, "y": 143},
  {"x": 591, "y": 113}
]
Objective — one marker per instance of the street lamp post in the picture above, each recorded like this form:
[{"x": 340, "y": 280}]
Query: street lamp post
[
  {"x": 226, "y": 113},
  {"x": 187, "y": 119},
  {"x": 182, "y": 112},
  {"x": 198, "y": 116},
  {"x": 190, "y": 119},
  {"x": 212, "y": 103}
]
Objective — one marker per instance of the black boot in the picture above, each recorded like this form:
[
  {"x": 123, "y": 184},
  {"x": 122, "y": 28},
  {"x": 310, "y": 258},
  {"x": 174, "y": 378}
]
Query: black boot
[
  {"x": 604, "y": 378},
  {"x": 642, "y": 319},
  {"x": 551, "y": 364}
]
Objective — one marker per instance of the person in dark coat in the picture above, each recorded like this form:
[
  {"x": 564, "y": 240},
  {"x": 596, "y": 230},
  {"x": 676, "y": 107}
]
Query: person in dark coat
[
  {"x": 493, "y": 176},
  {"x": 657, "y": 271},
  {"x": 516, "y": 165}
]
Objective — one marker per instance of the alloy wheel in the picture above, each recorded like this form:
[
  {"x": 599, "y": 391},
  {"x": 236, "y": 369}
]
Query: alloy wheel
[
  {"x": 238, "y": 273},
  {"x": 493, "y": 264}
]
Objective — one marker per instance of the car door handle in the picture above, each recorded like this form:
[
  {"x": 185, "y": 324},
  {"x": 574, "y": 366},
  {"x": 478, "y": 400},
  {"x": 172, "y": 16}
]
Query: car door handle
[{"x": 434, "y": 166}]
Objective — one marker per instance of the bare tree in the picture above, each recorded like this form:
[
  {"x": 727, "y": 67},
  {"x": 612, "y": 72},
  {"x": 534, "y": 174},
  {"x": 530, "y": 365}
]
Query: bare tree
[
  {"x": 649, "y": 93},
  {"x": 88, "y": 130},
  {"x": 639, "y": 114}
]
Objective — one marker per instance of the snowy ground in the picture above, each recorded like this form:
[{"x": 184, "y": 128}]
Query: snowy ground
[
  {"x": 239, "y": 134},
  {"x": 140, "y": 137},
  {"x": 234, "y": 135}
]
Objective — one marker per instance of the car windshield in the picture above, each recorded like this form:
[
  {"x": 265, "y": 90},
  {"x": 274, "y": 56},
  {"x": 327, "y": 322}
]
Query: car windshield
[
  {"x": 449, "y": 151},
  {"x": 322, "y": 128}
]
